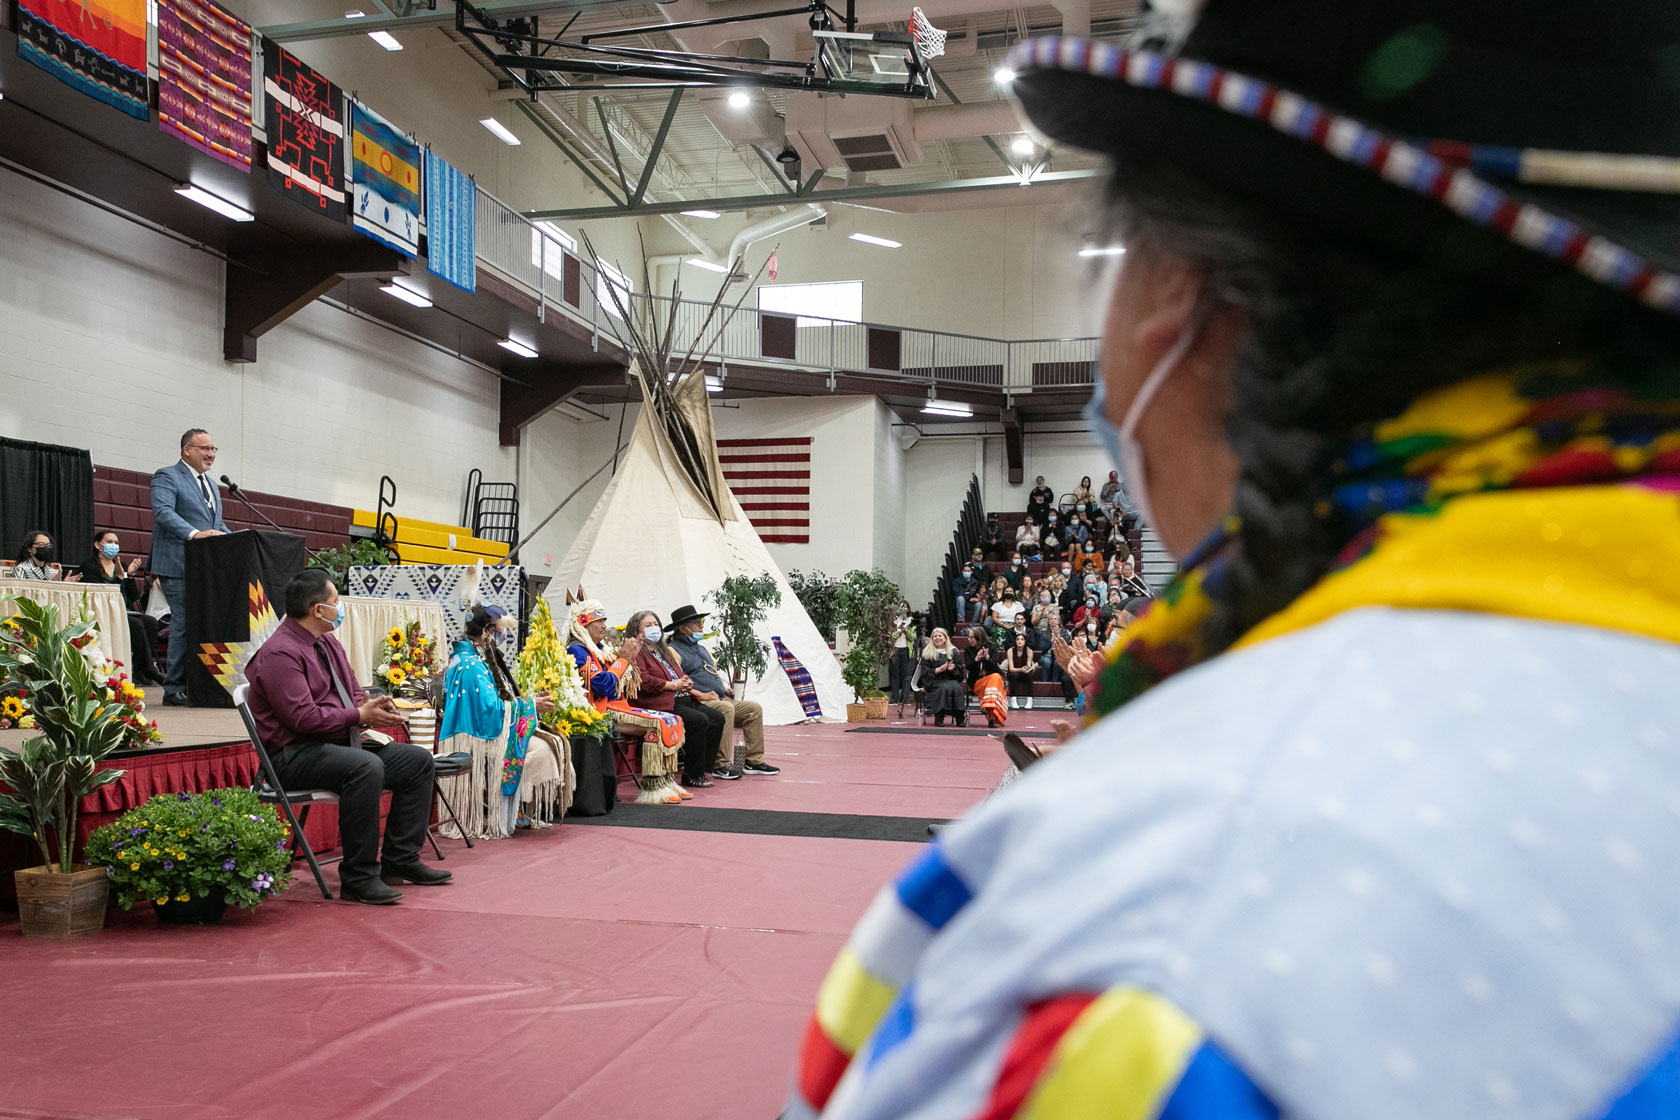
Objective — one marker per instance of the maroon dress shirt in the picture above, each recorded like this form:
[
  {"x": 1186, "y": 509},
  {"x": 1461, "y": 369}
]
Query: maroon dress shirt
[{"x": 293, "y": 699}]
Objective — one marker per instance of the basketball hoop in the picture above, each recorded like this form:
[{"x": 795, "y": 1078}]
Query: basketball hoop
[{"x": 930, "y": 41}]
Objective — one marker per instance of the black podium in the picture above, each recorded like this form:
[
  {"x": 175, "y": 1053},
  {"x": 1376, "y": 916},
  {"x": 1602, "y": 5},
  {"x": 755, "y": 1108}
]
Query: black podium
[{"x": 229, "y": 580}]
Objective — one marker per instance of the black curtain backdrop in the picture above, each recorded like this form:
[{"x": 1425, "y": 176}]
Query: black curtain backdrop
[{"x": 46, "y": 487}]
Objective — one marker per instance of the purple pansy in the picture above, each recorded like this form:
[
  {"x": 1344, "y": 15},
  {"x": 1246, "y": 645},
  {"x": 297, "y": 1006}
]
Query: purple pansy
[
  {"x": 228, "y": 865},
  {"x": 262, "y": 882},
  {"x": 169, "y": 865}
]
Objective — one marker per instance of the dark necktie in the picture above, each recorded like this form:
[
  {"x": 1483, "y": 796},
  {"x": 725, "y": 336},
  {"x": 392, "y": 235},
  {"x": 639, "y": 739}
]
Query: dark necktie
[
  {"x": 343, "y": 693},
  {"x": 204, "y": 488}
]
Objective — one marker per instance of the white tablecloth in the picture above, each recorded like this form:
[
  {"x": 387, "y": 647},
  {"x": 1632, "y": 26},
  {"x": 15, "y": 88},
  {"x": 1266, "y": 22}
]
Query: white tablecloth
[
  {"x": 368, "y": 621},
  {"x": 104, "y": 599}
]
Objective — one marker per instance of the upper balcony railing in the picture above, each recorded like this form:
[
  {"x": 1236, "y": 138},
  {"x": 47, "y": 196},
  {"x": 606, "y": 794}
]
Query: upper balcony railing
[{"x": 562, "y": 282}]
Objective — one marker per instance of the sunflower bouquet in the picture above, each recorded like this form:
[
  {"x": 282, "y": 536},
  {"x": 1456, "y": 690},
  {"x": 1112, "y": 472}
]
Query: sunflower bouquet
[
  {"x": 14, "y": 712},
  {"x": 408, "y": 661}
]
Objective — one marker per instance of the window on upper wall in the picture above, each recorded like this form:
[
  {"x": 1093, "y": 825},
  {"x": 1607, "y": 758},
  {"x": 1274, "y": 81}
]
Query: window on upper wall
[
  {"x": 611, "y": 275},
  {"x": 550, "y": 257},
  {"x": 815, "y": 304}
]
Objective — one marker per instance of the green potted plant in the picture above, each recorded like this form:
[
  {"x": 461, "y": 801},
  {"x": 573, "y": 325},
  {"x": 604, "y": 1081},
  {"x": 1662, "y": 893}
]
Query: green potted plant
[
  {"x": 864, "y": 603},
  {"x": 359, "y": 553},
  {"x": 815, "y": 592},
  {"x": 739, "y": 604},
  {"x": 192, "y": 855},
  {"x": 43, "y": 668}
]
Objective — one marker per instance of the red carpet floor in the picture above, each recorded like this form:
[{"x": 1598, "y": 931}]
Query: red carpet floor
[{"x": 588, "y": 971}]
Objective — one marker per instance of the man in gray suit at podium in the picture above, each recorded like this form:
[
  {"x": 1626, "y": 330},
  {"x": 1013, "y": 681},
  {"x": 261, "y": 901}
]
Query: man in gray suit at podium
[{"x": 185, "y": 505}]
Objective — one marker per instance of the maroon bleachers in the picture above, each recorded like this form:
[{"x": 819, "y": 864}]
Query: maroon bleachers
[{"x": 122, "y": 500}]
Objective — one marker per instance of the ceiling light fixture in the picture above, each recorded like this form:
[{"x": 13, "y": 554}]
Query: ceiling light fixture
[
  {"x": 221, "y": 206},
  {"x": 740, "y": 99},
  {"x": 385, "y": 39},
  {"x": 1102, "y": 251},
  {"x": 707, "y": 214},
  {"x": 407, "y": 295},
  {"x": 949, "y": 408},
  {"x": 519, "y": 348},
  {"x": 1003, "y": 75},
  {"x": 871, "y": 239},
  {"x": 702, "y": 262},
  {"x": 1022, "y": 146},
  {"x": 500, "y": 131}
]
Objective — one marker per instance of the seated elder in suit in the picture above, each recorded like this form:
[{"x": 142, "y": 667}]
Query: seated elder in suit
[
  {"x": 185, "y": 505},
  {"x": 309, "y": 711}
]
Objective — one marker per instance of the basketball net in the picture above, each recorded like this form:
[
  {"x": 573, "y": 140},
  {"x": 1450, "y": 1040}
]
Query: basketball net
[{"x": 930, "y": 41}]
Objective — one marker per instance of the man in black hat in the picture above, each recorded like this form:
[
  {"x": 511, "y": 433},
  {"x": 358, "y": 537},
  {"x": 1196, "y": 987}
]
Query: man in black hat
[
  {"x": 1369, "y": 819},
  {"x": 711, "y": 690}
]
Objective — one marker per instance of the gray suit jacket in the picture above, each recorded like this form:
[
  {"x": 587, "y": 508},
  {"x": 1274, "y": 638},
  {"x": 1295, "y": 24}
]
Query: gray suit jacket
[{"x": 178, "y": 511}]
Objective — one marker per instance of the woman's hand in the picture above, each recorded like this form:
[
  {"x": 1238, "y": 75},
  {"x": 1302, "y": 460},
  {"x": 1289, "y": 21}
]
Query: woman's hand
[
  {"x": 545, "y": 704},
  {"x": 134, "y": 564}
]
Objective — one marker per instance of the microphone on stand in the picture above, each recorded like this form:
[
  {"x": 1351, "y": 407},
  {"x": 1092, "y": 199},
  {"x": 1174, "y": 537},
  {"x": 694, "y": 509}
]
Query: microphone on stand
[{"x": 233, "y": 488}]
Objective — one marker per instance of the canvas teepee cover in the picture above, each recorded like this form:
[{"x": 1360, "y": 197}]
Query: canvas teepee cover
[{"x": 656, "y": 540}]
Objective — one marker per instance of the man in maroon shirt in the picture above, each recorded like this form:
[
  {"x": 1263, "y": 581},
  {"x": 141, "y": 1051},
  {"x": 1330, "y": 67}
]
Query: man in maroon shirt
[{"x": 309, "y": 711}]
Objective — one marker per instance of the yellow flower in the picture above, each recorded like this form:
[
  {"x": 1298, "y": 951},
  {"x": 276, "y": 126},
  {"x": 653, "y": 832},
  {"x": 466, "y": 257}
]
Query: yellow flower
[
  {"x": 395, "y": 675},
  {"x": 11, "y": 707},
  {"x": 134, "y": 867},
  {"x": 161, "y": 901},
  {"x": 396, "y": 636},
  {"x": 183, "y": 897},
  {"x": 408, "y": 667}
]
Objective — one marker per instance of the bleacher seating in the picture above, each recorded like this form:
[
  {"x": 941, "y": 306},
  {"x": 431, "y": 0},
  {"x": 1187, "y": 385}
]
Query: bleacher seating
[
  {"x": 122, "y": 500},
  {"x": 432, "y": 542}
]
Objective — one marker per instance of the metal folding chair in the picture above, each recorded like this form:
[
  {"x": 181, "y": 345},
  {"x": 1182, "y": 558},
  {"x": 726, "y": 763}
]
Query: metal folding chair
[
  {"x": 443, "y": 767},
  {"x": 267, "y": 787}
]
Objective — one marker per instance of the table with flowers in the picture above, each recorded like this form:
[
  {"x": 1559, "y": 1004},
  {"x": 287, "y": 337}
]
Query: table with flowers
[{"x": 103, "y": 601}]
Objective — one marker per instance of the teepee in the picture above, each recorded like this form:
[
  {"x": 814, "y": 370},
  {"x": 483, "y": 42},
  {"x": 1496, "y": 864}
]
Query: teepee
[{"x": 667, "y": 530}]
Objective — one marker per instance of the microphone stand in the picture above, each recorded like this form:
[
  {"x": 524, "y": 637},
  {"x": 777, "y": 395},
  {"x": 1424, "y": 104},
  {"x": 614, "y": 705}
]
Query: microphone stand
[{"x": 233, "y": 488}]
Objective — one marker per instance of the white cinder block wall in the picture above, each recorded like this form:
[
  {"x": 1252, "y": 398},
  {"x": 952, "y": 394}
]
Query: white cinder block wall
[{"x": 110, "y": 339}]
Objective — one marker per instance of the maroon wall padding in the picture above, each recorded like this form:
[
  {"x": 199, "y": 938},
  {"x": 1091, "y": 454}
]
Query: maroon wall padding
[
  {"x": 883, "y": 348},
  {"x": 571, "y": 280},
  {"x": 122, "y": 500},
  {"x": 777, "y": 336}
]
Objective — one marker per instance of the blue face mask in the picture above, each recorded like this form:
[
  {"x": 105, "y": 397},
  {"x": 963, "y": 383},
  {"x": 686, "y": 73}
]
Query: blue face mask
[
  {"x": 110, "y": 551},
  {"x": 338, "y": 619},
  {"x": 651, "y": 633}
]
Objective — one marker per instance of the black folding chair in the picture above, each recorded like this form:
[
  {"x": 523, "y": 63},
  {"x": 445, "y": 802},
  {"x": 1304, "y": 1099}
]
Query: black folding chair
[
  {"x": 443, "y": 766},
  {"x": 267, "y": 787}
]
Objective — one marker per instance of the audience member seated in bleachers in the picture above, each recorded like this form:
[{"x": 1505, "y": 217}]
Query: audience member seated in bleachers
[
  {"x": 983, "y": 567},
  {"x": 1090, "y": 610},
  {"x": 1044, "y": 607},
  {"x": 1050, "y": 633},
  {"x": 1041, "y": 501},
  {"x": 664, "y": 687},
  {"x": 944, "y": 679},
  {"x": 1006, "y": 609},
  {"x": 996, "y": 545},
  {"x": 34, "y": 558},
  {"x": 1083, "y": 494},
  {"x": 1052, "y": 539},
  {"x": 309, "y": 709},
  {"x": 904, "y": 643},
  {"x": 1029, "y": 591},
  {"x": 1015, "y": 573},
  {"x": 1021, "y": 664},
  {"x": 1090, "y": 558},
  {"x": 966, "y": 590},
  {"x": 986, "y": 680},
  {"x": 1026, "y": 539},
  {"x": 106, "y": 566},
  {"x": 1072, "y": 591},
  {"x": 1130, "y": 582}
]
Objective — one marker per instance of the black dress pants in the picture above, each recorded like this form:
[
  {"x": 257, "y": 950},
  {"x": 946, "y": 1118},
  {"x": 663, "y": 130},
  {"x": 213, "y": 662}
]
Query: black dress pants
[
  {"x": 358, "y": 775},
  {"x": 142, "y": 638},
  {"x": 702, "y": 734},
  {"x": 1020, "y": 684},
  {"x": 898, "y": 675}
]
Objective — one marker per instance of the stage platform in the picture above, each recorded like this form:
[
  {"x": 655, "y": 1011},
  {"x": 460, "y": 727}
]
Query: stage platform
[
  {"x": 612, "y": 970},
  {"x": 182, "y": 728}
]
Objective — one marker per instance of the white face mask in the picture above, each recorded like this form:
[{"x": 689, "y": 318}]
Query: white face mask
[{"x": 1121, "y": 443}]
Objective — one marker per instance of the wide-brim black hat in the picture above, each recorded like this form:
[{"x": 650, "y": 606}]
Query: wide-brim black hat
[
  {"x": 684, "y": 613},
  {"x": 1551, "y": 128}
]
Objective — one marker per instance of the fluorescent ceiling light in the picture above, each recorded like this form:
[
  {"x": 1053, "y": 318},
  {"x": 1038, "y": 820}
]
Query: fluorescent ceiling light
[
  {"x": 740, "y": 99},
  {"x": 948, "y": 408},
  {"x": 354, "y": 13},
  {"x": 1022, "y": 146},
  {"x": 385, "y": 39},
  {"x": 871, "y": 239},
  {"x": 1103, "y": 251},
  {"x": 519, "y": 348},
  {"x": 1003, "y": 75},
  {"x": 500, "y": 130},
  {"x": 407, "y": 295},
  {"x": 702, "y": 262},
  {"x": 714, "y": 384},
  {"x": 701, "y": 214},
  {"x": 221, "y": 206}
]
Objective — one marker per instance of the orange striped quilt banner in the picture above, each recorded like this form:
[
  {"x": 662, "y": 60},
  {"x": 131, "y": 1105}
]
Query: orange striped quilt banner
[{"x": 771, "y": 479}]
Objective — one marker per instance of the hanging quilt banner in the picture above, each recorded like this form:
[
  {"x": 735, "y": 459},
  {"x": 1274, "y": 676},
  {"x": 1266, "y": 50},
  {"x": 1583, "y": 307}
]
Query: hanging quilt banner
[
  {"x": 97, "y": 46},
  {"x": 204, "y": 79},
  {"x": 304, "y": 113},
  {"x": 384, "y": 181},
  {"x": 451, "y": 217}
]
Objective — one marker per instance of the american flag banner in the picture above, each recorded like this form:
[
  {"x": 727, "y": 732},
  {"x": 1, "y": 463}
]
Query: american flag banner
[{"x": 771, "y": 479}]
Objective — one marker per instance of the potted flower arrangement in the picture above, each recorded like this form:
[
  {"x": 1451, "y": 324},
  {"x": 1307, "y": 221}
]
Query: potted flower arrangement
[
  {"x": 192, "y": 855},
  {"x": 864, "y": 604},
  {"x": 44, "y": 668},
  {"x": 408, "y": 661},
  {"x": 545, "y": 666}
]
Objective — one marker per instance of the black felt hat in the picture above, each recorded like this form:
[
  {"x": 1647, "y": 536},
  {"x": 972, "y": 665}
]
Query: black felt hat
[
  {"x": 684, "y": 613},
  {"x": 1538, "y": 134}
]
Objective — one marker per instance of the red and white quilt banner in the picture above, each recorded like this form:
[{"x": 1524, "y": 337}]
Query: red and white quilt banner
[{"x": 771, "y": 479}]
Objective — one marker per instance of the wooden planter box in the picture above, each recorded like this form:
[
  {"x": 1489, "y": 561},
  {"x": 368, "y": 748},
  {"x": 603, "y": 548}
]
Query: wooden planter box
[{"x": 62, "y": 906}]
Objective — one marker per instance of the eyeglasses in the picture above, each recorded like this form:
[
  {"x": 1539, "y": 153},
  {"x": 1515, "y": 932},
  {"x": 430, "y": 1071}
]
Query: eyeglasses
[{"x": 201, "y": 447}]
